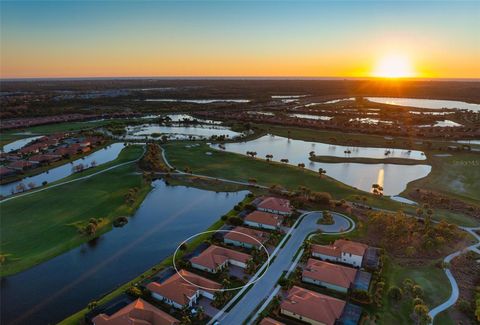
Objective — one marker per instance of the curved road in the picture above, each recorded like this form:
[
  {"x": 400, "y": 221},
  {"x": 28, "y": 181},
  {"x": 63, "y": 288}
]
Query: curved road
[
  {"x": 455, "y": 292},
  {"x": 283, "y": 260}
]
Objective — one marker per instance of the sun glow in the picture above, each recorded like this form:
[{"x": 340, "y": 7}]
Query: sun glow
[{"x": 394, "y": 66}]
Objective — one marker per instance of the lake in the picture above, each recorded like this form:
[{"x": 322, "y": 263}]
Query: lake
[
  {"x": 168, "y": 215},
  {"x": 312, "y": 117},
  {"x": 15, "y": 145},
  {"x": 180, "y": 131},
  {"x": 199, "y": 101},
  {"x": 100, "y": 157},
  {"x": 393, "y": 178},
  {"x": 425, "y": 103}
]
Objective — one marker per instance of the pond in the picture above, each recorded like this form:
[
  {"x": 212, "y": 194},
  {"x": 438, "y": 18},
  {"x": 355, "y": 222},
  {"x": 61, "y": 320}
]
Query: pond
[
  {"x": 425, "y": 103},
  {"x": 393, "y": 178},
  {"x": 168, "y": 215},
  {"x": 100, "y": 157},
  {"x": 15, "y": 145},
  {"x": 181, "y": 118},
  {"x": 179, "y": 132},
  {"x": 312, "y": 117},
  {"x": 443, "y": 124},
  {"x": 199, "y": 101}
]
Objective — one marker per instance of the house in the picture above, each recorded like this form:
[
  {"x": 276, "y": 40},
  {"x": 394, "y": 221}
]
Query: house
[
  {"x": 343, "y": 251},
  {"x": 215, "y": 258},
  {"x": 41, "y": 159},
  {"x": 22, "y": 165},
  {"x": 6, "y": 172},
  {"x": 260, "y": 219},
  {"x": 246, "y": 237},
  {"x": 138, "y": 312},
  {"x": 177, "y": 292},
  {"x": 312, "y": 307},
  {"x": 275, "y": 205},
  {"x": 332, "y": 276},
  {"x": 270, "y": 321}
]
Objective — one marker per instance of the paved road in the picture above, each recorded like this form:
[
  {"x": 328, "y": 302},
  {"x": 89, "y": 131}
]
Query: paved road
[
  {"x": 453, "y": 283},
  {"x": 73, "y": 180},
  {"x": 283, "y": 260}
]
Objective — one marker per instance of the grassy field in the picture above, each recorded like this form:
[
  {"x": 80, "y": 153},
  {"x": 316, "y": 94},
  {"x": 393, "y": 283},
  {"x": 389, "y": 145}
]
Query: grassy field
[
  {"x": 456, "y": 175},
  {"x": 47, "y": 219},
  {"x": 433, "y": 281}
]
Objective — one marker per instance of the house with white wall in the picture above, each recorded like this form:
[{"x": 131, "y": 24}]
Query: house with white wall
[
  {"x": 264, "y": 220},
  {"x": 216, "y": 258},
  {"x": 332, "y": 276},
  {"x": 341, "y": 251}
]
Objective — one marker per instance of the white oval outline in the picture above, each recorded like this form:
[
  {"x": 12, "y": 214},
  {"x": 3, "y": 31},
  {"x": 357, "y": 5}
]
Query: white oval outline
[{"x": 227, "y": 231}]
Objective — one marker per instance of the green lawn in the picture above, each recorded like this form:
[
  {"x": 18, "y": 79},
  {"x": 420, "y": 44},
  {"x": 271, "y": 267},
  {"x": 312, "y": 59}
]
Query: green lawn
[
  {"x": 238, "y": 167},
  {"x": 46, "y": 219},
  {"x": 433, "y": 281}
]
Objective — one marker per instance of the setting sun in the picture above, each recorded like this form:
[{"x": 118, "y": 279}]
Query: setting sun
[{"x": 394, "y": 66}]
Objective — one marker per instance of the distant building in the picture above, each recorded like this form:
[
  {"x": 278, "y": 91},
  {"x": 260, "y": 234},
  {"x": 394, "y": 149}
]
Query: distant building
[
  {"x": 260, "y": 219},
  {"x": 6, "y": 172},
  {"x": 42, "y": 159},
  {"x": 312, "y": 307},
  {"x": 246, "y": 237},
  {"x": 275, "y": 205},
  {"x": 343, "y": 251},
  {"x": 138, "y": 312},
  {"x": 177, "y": 292},
  {"x": 332, "y": 276},
  {"x": 22, "y": 165},
  {"x": 215, "y": 258}
]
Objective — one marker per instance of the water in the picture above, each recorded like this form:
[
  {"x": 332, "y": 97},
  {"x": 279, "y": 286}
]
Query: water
[
  {"x": 403, "y": 200},
  {"x": 12, "y": 146},
  {"x": 368, "y": 120},
  {"x": 444, "y": 124},
  {"x": 179, "y": 132},
  {"x": 312, "y": 117},
  {"x": 166, "y": 217},
  {"x": 469, "y": 141},
  {"x": 393, "y": 178},
  {"x": 334, "y": 101},
  {"x": 425, "y": 103},
  {"x": 101, "y": 156},
  {"x": 200, "y": 101}
]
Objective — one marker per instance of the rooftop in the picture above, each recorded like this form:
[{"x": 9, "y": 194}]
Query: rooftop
[
  {"x": 313, "y": 305},
  {"x": 331, "y": 273},
  {"x": 177, "y": 289},
  {"x": 138, "y": 312},
  {"x": 215, "y": 256},
  {"x": 275, "y": 204},
  {"x": 264, "y": 218},
  {"x": 236, "y": 235}
]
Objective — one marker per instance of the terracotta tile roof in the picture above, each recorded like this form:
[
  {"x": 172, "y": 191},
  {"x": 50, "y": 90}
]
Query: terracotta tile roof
[
  {"x": 215, "y": 256},
  {"x": 313, "y": 305},
  {"x": 42, "y": 158},
  {"x": 261, "y": 236},
  {"x": 6, "y": 171},
  {"x": 351, "y": 247},
  {"x": 264, "y": 218},
  {"x": 331, "y": 273},
  {"x": 270, "y": 321},
  {"x": 21, "y": 164},
  {"x": 177, "y": 289},
  {"x": 138, "y": 312},
  {"x": 276, "y": 204},
  {"x": 339, "y": 246},
  {"x": 326, "y": 250}
]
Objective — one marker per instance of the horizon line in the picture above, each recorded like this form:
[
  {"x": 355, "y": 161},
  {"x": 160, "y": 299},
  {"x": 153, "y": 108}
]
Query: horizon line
[{"x": 8, "y": 79}]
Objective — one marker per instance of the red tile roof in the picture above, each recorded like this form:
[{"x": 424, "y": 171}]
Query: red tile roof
[
  {"x": 236, "y": 235},
  {"x": 270, "y": 321},
  {"x": 42, "y": 158},
  {"x": 177, "y": 289},
  {"x": 6, "y": 171},
  {"x": 341, "y": 276},
  {"x": 138, "y": 312},
  {"x": 214, "y": 256},
  {"x": 20, "y": 164},
  {"x": 351, "y": 247},
  {"x": 265, "y": 218},
  {"x": 275, "y": 204},
  {"x": 313, "y": 305},
  {"x": 326, "y": 250}
]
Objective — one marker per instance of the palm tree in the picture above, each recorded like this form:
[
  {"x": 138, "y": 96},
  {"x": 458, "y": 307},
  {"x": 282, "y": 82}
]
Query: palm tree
[{"x": 322, "y": 171}]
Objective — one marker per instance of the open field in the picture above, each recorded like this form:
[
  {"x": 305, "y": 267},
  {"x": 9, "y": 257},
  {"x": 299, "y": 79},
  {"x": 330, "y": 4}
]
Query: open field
[{"x": 47, "y": 219}]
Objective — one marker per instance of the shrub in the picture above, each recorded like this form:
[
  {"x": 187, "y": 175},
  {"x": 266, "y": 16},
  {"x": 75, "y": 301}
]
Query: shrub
[{"x": 395, "y": 293}]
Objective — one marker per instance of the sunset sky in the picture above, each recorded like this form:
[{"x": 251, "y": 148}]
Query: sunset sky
[{"x": 226, "y": 38}]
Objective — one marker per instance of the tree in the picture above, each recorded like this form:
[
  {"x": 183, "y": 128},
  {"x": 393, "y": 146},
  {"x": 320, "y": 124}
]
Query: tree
[
  {"x": 90, "y": 229},
  {"x": 269, "y": 157},
  {"x": 417, "y": 291},
  {"x": 395, "y": 293},
  {"x": 322, "y": 171},
  {"x": 301, "y": 165}
]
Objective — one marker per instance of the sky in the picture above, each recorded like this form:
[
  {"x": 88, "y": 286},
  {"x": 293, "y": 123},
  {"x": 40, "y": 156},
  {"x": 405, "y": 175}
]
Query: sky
[{"x": 230, "y": 39}]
